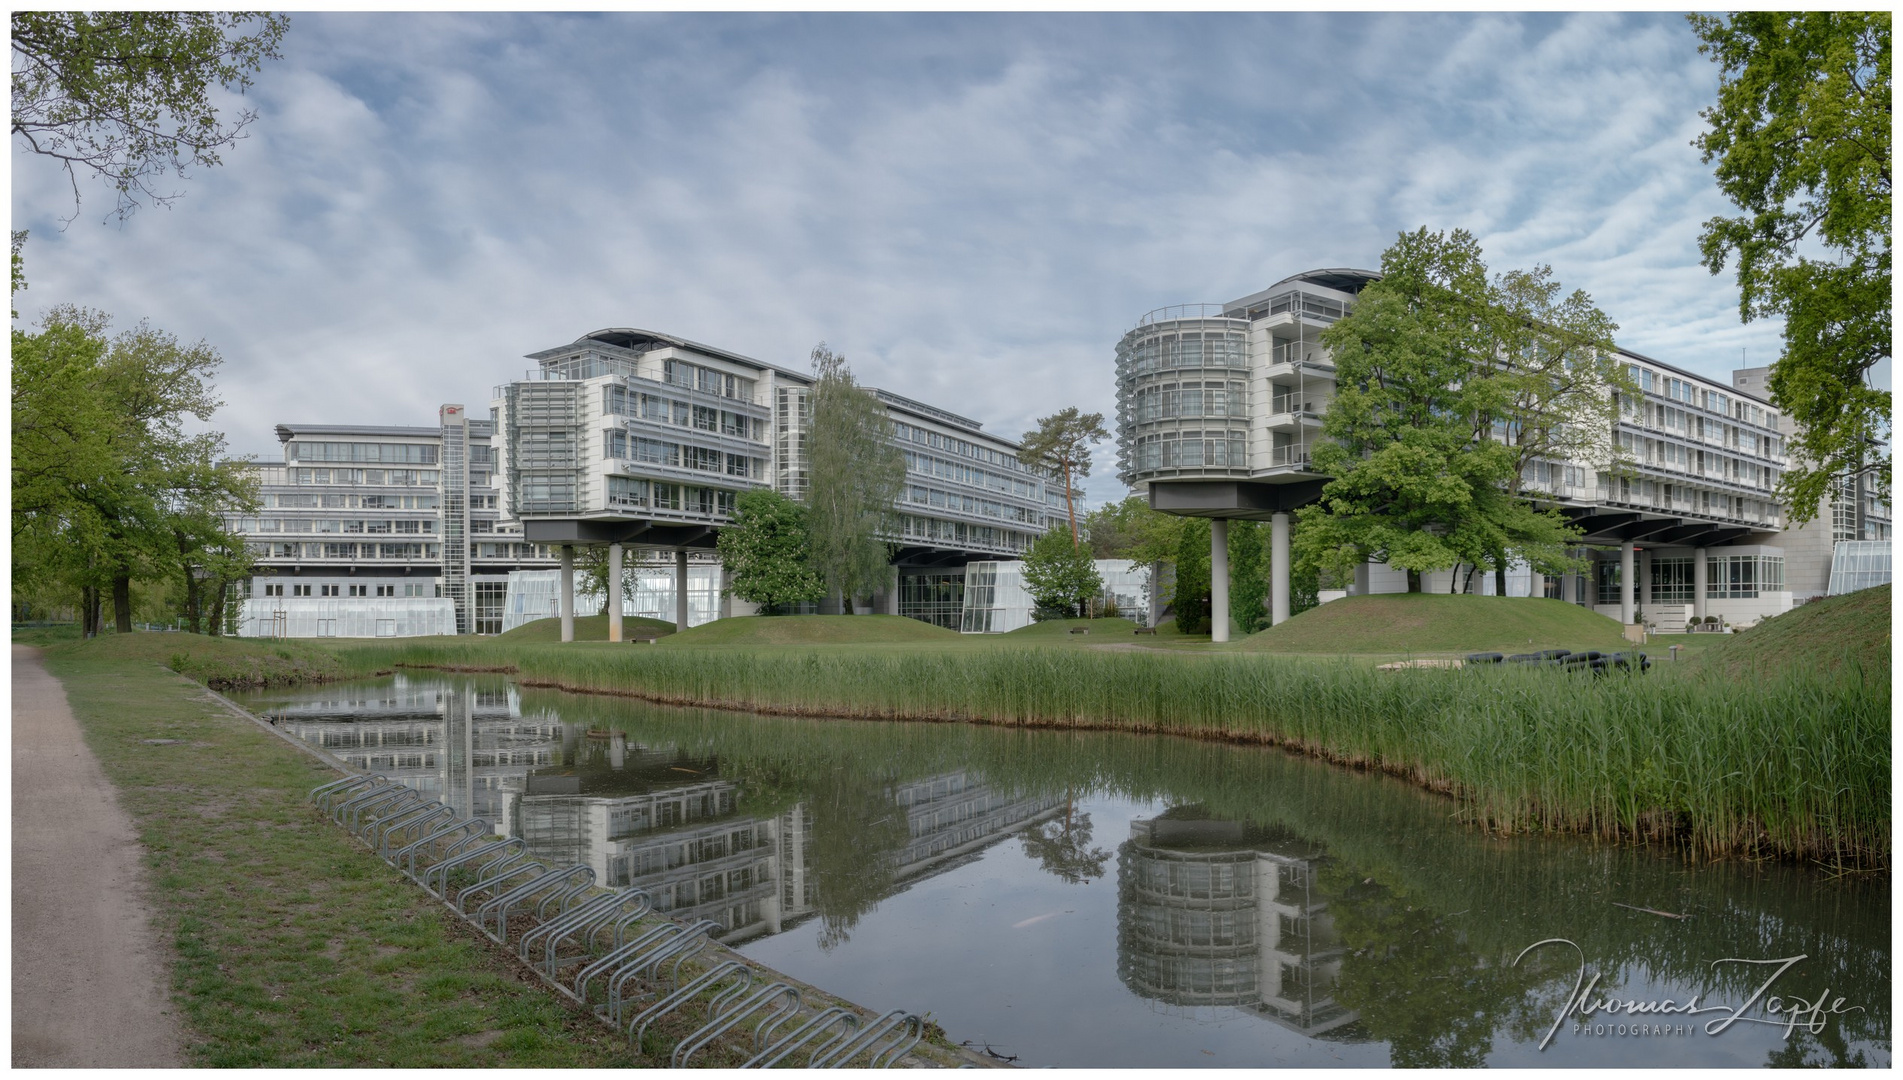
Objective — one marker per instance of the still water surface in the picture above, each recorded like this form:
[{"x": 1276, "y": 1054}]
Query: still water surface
[{"x": 1122, "y": 901}]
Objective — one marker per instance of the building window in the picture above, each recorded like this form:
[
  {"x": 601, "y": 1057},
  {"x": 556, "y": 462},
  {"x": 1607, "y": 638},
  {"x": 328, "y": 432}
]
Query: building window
[
  {"x": 1608, "y": 576},
  {"x": 938, "y": 599},
  {"x": 300, "y": 590},
  {"x": 489, "y": 597},
  {"x": 1671, "y": 580},
  {"x": 1743, "y": 577}
]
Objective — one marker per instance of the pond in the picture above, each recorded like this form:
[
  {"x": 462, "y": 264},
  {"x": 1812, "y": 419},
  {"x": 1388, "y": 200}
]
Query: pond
[{"x": 1103, "y": 900}]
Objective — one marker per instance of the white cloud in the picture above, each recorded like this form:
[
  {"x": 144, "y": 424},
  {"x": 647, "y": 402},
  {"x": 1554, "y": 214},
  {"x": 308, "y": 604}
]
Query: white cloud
[{"x": 973, "y": 208}]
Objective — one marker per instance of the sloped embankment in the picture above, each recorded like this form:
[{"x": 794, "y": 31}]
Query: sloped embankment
[
  {"x": 1828, "y": 635},
  {"x": 1424, "y": 623}
]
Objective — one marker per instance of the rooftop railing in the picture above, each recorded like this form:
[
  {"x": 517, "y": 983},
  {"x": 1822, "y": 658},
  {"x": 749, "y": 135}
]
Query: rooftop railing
[{"x": 1183, "y": 311}]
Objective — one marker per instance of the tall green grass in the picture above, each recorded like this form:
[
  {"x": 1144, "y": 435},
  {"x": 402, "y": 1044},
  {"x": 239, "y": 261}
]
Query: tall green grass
[{"x": 1797, "y": 765}]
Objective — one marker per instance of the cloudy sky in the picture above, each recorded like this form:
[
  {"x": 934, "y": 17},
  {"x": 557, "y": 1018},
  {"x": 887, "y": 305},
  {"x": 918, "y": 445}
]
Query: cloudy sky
[{"x": 973, "y": 208}]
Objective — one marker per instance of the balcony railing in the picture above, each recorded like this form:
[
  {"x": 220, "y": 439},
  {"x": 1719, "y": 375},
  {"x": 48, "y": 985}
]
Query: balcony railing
[
  {"x": 1288, "y": 455},
  {"x": 1293, "y": 403},
  {"x": 1299, "y": 352}
]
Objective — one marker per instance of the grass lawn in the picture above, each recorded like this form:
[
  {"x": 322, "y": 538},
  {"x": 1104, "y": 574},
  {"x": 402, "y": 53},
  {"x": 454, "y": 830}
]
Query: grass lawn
[
  {"x": 295, "y": 946},
  {"x": 812, "y": 630},
  {"x": 1425, "y": 624},
  {"x": 587, "y": 628}
]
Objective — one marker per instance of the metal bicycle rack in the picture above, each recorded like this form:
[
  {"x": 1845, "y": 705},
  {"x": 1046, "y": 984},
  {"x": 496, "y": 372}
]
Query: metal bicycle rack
[
  {"x": 841, "y": 1023},
  {"x": 733, "y": 972},
  {"x": 774, "y": 1003},
  {"x": 581, "y": 926},
  {"x": 461, "y": 863},
  {"x": 886, "y": 1040},
  {"x": 648, "y": 965}
]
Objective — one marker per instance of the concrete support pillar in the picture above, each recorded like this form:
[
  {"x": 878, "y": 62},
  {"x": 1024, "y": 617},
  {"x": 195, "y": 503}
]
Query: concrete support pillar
[
  {"x": 680, "y": 589},
  {"x": 1218, "y": 580},
  {"x": 1645, "y": 578},
  {"x": 614, "y": 592},
  {"x": 565, "y": 593},
  {"x": 1278, "y": 569},
  {"x": 1699, "y": 583},
  {"x": 1626, "y": 559},
  {"x": 891, "y": 594}
]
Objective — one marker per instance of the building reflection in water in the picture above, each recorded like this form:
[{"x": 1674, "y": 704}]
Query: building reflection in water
[
  {"x": 1217, "y": 913},
  {"x": 652, "y": 818},
  {"x": 468, "y": 748}
]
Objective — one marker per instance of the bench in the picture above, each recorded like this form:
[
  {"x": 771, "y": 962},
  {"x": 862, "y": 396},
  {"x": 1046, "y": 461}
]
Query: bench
[
  {"x": 641, "y": 637},
  {"x": 1150, "y": 630},
  {"x": 1080, "y": 629}
]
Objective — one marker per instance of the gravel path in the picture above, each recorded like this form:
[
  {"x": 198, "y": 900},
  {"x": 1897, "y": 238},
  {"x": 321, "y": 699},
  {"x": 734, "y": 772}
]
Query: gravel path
[{"x": 89, "y": 972}]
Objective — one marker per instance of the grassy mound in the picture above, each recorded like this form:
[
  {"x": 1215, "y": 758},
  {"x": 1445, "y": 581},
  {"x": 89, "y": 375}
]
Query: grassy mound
[
  {"x": 587, "y": 628},
  {"x": 1117, "y": 629},
  {"x": 1824, "y": 635},
  {"x": 811, "y": 630},
  {"x": 1420, "y": 623}
]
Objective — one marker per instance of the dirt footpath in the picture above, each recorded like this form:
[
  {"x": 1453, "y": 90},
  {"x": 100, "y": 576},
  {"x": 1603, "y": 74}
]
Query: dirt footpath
[{"x": 90, "y": 979}]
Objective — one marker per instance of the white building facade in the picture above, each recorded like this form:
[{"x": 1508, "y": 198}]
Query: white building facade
[
  {"x": 1220, "y": 406},
  {"x": 632, "y": 439}
]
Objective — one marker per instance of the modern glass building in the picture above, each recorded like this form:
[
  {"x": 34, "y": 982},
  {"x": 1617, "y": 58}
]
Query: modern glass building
[
  {"x": 1219, "y": 407},
  {"x": 381, "y": 532},
  {"x": 996, "y": 600},
  {"x": 630, "y": 438}
]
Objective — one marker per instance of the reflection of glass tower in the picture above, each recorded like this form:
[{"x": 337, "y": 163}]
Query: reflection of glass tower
[
  {"x": 469, "y": 748},
  {"x": 1218, "y": 913}
]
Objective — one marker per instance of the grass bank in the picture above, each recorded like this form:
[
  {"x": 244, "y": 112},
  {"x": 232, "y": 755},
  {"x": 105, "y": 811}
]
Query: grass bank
[
  {"x": 1422, "y": 623},
  {"x": 587, "y": 628},
  {"x": 1833, "y": 634},
  {"x": 1795, "y": 765},
  {"x": 811, "y": 630},
  {"x": 294, "y": 946}
]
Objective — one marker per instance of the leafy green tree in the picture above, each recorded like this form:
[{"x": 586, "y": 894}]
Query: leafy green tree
[
  {"x": 128, "y": 95},
  {"x": 767, "y": 550},
  {"x": 1059, "y": 576},
  {"x": 1554, "y": 392},
  {"x": 1248, "y": 575},
  {"x": 1189, "y": 593},
  {"x": 210, "y": 557},
  {"x": 105, "y": 473},
  {"x": 1422, "y": 476},
  {"x": 1060, "y": 444},
  {"x": 1801, "y": 135},
  {"x": 855, "y": 474}
]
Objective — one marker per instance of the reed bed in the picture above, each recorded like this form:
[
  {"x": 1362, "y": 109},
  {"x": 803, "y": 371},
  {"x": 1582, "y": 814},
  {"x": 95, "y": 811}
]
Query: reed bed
[{"x": 1796, "y": 766}]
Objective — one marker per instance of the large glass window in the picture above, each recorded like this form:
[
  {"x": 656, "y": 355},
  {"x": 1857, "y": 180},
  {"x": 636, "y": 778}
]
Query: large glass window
[
  {"x": 938, "y": 599},
  {"x": 1672, "y": 580},
  {"x": 1607, "y": 572},
  {"x": 394, "y": 453},
  {"x": 1743, "y": 576}
]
